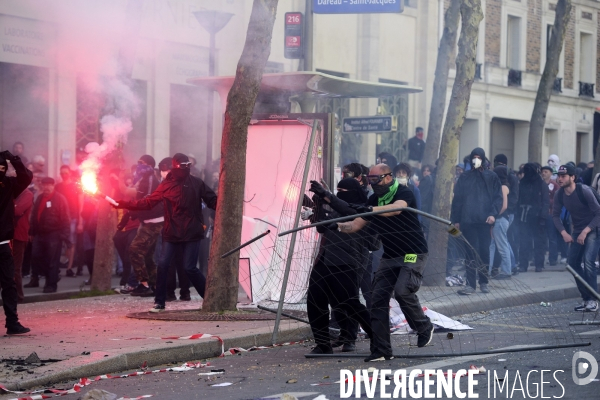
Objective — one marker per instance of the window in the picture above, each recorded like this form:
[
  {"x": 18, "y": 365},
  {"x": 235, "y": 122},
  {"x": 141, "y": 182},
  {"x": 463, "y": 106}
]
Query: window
[
  {"x": 586, "y": 58},
  {"x": 548, "y": 37},
  {"x": 513, "y": 43}
]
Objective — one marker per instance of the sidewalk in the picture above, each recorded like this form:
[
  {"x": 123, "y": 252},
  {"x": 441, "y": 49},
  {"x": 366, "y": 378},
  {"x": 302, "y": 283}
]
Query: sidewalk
[{"x": 67, "y": 329}]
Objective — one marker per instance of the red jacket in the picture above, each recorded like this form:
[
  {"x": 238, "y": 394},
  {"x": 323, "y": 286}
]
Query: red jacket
[{"x": 23, "y": 206}]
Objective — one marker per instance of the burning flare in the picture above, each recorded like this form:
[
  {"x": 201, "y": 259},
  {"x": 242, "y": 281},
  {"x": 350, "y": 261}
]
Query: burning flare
[{"x": 88, "y": 182}]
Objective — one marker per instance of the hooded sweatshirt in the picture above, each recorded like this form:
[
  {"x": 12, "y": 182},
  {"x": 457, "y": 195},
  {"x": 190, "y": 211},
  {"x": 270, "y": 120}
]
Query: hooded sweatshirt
[
  {"x": 534, "y": 202},
  {"x": 10, "y": 189},
  {"x": 477, "y": 194}
]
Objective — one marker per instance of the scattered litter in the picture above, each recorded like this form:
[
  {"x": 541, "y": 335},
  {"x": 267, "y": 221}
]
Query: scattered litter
[
  {"x": 97, "y": 394},
  {"x": 144, "y": 366},
  {"x": 292, "y": 381},
  {"x": 287, "y": 396},
  {"x": 85, "y": 353},
  {"x": 326, "y": 377},
  {"x": 400, "y": 324},
  {"x": 221, "y": 370},
  {"x": 450, "y": 335},
  {"x": 502, "y": 359},
  {"x": 209, "y": 373},
  {"x": 64, "y": 311},
  {"x": 33, "y": 358},
  {"x": 222, "y": 384},
  {"x": 371, "y": 370},
  {"x": 544, "y": 304}
]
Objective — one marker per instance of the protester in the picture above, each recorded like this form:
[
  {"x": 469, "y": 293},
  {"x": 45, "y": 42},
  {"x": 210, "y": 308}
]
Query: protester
[
  {"x": 23, "y": 206},
  {"x": 18, "y": 150},
  {"x": 476, "y": 204},
  {"x": 551, "y": 232},
  {"x": 69, "y": 189},
  {"x": 582, "y": 204},
  {"x": 554, "y": 163},
  {"x": 426, "y": 187},
  {"x": 402, "y": 174},
  {"x": 335, "y": 276},
  {"x": 513, "y": 199},
  {"x": 10, "y": 188},
  {"x": 387, "y": 159},
  {"x": 141, "y": 250},
  {"x": 532, "y": 213},
  {"x": 50, "y": 229},
  {"x": 416, "y": 148},
  {"x": 403, "y": 262},
  {"x": 500, "y": 229},
  {"x": 181, "y": 195}
]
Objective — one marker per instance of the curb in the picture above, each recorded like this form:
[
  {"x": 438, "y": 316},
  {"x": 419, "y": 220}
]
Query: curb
[{"x": 101, "y": 363}]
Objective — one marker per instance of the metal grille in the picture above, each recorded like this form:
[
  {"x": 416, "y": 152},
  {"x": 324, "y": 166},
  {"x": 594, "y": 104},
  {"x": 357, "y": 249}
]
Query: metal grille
[
  {"x": 392, "y": 142},
  {"x": 514, "y": 77},
  {"x": 557, "y": 88},
  {"x": 586, "y": 89},
  {"x": 89, "y": 110}
]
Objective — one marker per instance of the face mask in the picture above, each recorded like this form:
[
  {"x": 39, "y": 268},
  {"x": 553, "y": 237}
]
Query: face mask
[
  {"x": 551, "y": 163},
  {"x": 349, "y": 197},
  {"x": 180, "y": 173},
  {"x": 381, "y": 190},
  {"x": 403, "y": 180},
  {"x": 163, "y": 174},
  {"x": 476, "y": 163}
]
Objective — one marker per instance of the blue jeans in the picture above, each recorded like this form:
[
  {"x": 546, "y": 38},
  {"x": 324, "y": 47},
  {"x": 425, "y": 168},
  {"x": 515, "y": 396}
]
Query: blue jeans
[
  {"x": 553, "y": 237},
  {"x": 190, "y": 260},
  {"x": 585, "y": 254},
  {"x": 500, "y": 239}
]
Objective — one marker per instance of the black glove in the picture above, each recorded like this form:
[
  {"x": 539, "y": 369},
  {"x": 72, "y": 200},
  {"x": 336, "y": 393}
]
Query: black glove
[
  {"x": 318, "y": 189},
  {"x": 7, "y": 155},
  {"x": 360, "y": 208}
]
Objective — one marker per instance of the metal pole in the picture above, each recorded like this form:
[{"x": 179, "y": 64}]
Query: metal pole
[
  {"x": 308, "y": 35},
  {"x": 585, "y": 323},
  {"x": 284, "y": 314},
  {"x": 210, "y": 100},
  {"x": 288, "y": 264},
  {"x": 583, "y": 282},
  {"x": 470, "y": 353},
  {"x": 241, "y": 246},
  {"x": 350, "y": 217}
]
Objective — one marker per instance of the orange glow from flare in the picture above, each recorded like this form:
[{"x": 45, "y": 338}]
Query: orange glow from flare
[{"x": 88, "y": 182}]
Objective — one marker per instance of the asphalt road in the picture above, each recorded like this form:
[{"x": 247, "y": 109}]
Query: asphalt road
[{"x": 269, "y": 373}]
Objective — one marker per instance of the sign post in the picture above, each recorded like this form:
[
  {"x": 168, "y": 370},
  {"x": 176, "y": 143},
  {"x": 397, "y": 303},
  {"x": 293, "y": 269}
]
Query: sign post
[
  {"x": 294, "y": 43},
  {"x": 357, "y": 6}
]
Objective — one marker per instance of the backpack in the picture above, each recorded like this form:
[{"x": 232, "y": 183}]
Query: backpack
[{"x": 579, "y": 191}]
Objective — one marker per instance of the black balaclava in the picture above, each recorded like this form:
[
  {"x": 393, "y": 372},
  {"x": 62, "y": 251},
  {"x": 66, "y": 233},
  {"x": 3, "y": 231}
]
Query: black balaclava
[
  {"x": 3, "y": 173},
  {"x": 478, "y": 151},
  {"x": 502, "y": 173},
  {"x": 354, "y": 193},
  {"x": 530, "y": 172},
  {"x": 180, "y": 173}
]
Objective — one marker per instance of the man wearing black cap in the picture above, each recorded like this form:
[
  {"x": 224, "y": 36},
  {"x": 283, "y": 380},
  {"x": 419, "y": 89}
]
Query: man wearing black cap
[
  {"x": 581, "y": 202},
  {"x": 476, "y": 204},
  {"x": 50, "y": 227},
  {"x": 10, "y": 189},
  {"x": 141, "y": 250},
  {"x": 181, "y": 196}
]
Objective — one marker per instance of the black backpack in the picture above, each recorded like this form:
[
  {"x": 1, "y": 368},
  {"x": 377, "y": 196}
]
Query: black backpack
[{"x": 579, "y": 191}]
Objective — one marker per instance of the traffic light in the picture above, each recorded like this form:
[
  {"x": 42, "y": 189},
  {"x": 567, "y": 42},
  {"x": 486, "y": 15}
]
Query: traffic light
[{"x": 294, "y": 43}]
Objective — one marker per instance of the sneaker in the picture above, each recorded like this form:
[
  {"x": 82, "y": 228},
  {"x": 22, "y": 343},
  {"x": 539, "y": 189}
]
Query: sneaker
[
  {"x": 377, "y": 357},
  {"x": 591, "y": 306},
  {"x": 563, "y": 260},
  {"x": 32, "y": 283},
  {"x": 49, "y": 289},
  {"x": 185, "y": 298},
  {"x": 142, "y": 291},
  {"x": 581, "y": 307},
  {"x": 157, "y": 308},
  {"x": 70, "y": 273},
  {"x": 17, "y": 329},
  {"x": 126, "y": 289},
  {"x": 425, "y": 338},
  {"x": 348, "y": 347},
  {"x": 321, "y": 350},
  {"x": 483, "y": 288},
  {"x": 466, "y": 291}
]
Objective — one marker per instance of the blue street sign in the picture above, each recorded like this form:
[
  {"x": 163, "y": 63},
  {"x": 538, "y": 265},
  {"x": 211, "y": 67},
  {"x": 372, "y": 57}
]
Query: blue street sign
[
  {"x": 367, "y": 124},
  {"x": 357, "y": 6}
]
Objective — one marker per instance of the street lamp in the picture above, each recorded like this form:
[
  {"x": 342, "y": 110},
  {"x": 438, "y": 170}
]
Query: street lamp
[{"x": 212, "y": 21}]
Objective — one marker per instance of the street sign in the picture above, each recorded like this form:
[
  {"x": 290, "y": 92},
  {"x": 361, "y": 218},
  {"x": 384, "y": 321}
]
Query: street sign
[
  {"x": 293, "y": 43},
  {"x": 380, "y": 123},
  {"x": 357, "y": 6}
]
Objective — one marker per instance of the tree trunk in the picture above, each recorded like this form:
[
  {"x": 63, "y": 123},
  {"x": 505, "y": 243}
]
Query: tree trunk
[
  {"x": 538, "y": 116},
  {"x": 104, "y": 252},
  {"x": 470, "y": 11},
  {"x": 222, "y": 282},
  {"x": 440, "y": 83}
]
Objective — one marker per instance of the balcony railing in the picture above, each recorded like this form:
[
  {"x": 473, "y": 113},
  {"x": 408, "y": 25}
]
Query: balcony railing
[
  {"x": 586, "y": 89},
  {"x": 557, "y": 88},
  {"x": 514, "y": 77},
  {"x": 478, "y": 72}
]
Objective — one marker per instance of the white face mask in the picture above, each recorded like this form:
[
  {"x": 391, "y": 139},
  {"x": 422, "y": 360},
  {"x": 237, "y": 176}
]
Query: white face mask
[
  {"x": 163, "y": 174},
  {"x": 476, "y": 163},
  {"x": 403, "y": 180}
]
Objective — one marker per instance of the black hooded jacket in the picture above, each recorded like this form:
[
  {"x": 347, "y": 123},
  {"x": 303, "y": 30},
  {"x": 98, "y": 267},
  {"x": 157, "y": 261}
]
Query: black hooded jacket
[
  {"x": 534, "y": 202},
  {"x": 182, "y": 202},
  {"x": 10, "y": 189},
  {"x": 477, "y": 194}
]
